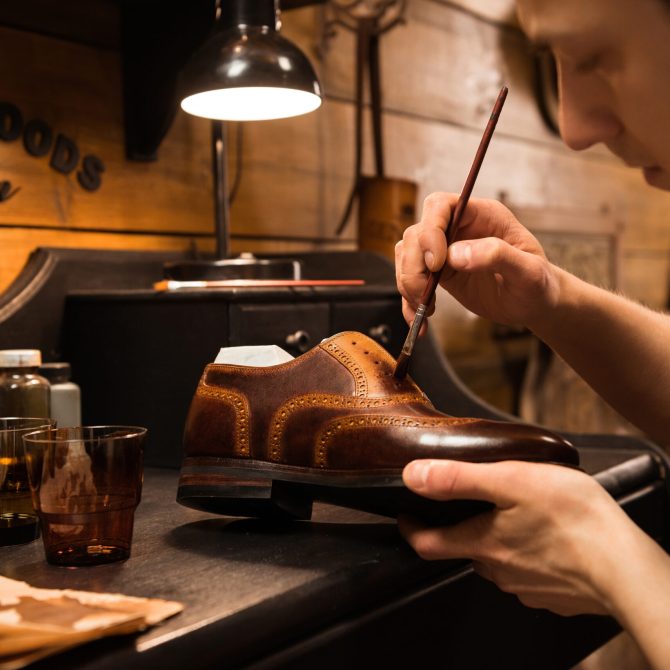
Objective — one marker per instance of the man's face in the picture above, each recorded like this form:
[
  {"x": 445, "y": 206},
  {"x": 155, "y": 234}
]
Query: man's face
[{"x": 613, "y": 60}]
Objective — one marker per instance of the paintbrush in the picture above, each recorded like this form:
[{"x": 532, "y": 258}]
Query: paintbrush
[{"x": 402, "y": 364}]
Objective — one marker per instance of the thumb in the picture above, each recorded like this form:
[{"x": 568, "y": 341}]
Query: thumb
[
  {"x": 491, "y": 254},
  {"x": 456, "y": 480}
]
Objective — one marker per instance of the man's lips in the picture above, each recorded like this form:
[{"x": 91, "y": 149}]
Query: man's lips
[
  {"x": 652, "y": 175},
  {"x": 649, "y": 169},
  {"x": 632, "y": 161},
  {"x": 642, "y": 165}
]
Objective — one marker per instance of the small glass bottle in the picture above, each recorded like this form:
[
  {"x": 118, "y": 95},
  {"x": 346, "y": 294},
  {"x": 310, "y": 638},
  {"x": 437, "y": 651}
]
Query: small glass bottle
[
  {"x": 23, "y": 392},
  {"x": 65, "y": 394}
]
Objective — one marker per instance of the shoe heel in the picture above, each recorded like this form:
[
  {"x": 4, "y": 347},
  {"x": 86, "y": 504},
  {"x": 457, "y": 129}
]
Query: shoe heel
[{"x": 234, "y": 496}]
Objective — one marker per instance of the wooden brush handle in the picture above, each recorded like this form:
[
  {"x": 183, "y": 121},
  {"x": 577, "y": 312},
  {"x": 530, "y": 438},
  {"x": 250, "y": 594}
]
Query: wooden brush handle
[{"x": 454, "y": 222}]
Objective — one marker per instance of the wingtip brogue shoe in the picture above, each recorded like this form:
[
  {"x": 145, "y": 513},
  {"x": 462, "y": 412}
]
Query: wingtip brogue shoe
[{"x": 332, "y": 425}]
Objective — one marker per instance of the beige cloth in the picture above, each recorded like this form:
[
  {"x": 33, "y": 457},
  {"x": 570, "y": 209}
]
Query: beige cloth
[{"x": 35, "y": 623}]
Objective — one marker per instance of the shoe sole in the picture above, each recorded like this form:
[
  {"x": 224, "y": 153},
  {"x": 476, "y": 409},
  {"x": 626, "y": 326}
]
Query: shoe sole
[{"x": 283, "y": 492}]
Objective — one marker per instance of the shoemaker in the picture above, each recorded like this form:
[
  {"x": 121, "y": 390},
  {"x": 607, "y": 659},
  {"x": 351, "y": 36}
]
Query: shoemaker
[{"x": 557, "y": 538}]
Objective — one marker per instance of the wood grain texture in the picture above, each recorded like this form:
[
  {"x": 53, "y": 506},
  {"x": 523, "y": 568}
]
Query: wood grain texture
[
  {"x": 76, "y": 90},
  {"x": 440, "y": 72},
  {"x": 252, "y": 589},
  {"x": 445, "y": 65},
  {"x": 499, "y": 11},
  {"x": 316, "y": 173},
  {"x": 17, "y": 243},
  {"x": 646, "y": 277}
]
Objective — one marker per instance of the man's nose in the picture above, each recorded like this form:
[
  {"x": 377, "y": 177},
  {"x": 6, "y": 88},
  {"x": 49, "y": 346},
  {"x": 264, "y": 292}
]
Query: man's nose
[{"x": 586, "y": 116}]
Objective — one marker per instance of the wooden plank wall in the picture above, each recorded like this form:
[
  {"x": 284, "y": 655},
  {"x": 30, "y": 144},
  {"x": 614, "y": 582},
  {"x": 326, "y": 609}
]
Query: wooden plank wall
[{"x": 441, "y": 71}]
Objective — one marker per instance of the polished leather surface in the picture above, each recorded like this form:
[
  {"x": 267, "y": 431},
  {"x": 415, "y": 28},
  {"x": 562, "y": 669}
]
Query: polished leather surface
[{"x": 338, "y": 407}]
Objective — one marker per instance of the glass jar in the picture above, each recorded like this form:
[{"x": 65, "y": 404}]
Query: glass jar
[
  {"x": 65, "y": 394},
  {"x": 23, "y": 391}
]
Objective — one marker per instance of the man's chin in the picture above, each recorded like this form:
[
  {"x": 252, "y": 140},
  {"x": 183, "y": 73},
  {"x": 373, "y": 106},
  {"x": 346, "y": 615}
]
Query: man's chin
[{"x": 657, "y": 177}]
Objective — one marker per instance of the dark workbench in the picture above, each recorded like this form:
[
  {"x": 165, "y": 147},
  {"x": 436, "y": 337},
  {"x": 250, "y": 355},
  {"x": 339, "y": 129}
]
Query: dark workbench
[{"x": 342, "y": 588}]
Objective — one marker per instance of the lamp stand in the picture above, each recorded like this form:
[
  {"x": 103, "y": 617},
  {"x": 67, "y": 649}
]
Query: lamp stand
[
  {"x": 221, "y": 192},
  {"x": 245, "y": 266}
]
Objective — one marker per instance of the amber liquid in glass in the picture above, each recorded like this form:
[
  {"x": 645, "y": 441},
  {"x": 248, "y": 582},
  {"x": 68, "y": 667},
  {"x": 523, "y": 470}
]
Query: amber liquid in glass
[
  {"x": 18, "y": 521},
  {"x": 89, "y": 537}
]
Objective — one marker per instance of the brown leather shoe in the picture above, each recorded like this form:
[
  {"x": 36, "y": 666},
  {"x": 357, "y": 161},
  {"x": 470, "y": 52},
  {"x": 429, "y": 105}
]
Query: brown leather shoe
[{"x": 332, "y": 425}]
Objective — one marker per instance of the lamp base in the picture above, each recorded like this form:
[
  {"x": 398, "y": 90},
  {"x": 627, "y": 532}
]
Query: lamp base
[{"x": 245, "y": 266}]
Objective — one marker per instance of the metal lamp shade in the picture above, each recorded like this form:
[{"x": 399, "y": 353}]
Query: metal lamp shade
[{"x": 249, "y": 73}]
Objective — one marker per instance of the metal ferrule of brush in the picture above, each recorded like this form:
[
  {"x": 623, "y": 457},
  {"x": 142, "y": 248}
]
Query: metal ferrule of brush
[{"x": 410, "y": 340}]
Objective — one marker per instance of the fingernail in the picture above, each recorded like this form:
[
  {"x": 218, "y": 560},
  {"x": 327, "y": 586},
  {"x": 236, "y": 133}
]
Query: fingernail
[
  {"x": 429, "y": 259},
  {"x": 416, "y": 475},
  {"x": 460, "y": 255}
]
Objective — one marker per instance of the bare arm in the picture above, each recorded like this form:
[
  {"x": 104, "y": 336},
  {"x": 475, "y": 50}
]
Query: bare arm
[
  {"x": 556, "y": 539},
  {"x": 619, "y": 347}
]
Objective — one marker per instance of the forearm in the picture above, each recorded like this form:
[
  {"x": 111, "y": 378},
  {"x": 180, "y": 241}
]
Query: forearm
[
  {"x": 635, "y": 584},
  {"x": 619, "y": 347}
]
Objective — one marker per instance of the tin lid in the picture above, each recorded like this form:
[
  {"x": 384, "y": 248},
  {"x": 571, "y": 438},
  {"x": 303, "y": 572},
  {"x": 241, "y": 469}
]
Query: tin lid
[{"x": 20, "y": 358}]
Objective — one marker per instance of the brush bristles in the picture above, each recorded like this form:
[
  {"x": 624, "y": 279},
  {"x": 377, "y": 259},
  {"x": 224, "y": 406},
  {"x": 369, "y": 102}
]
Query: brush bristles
[{"x": 401, "y": 366}]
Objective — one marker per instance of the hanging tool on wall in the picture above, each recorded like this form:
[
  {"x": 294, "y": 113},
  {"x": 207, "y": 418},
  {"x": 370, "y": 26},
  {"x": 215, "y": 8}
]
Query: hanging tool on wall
[{"x": 369, "y": 19}]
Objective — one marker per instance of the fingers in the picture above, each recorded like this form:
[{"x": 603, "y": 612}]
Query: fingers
[
  {"x": 409, "y": 311},
  {"x": 423, "y": 248},
  {"x": 492, "y": 254},
  {"x": 536, "y": 583},
  {"x": 469, "y": 539},
  {"x": 435, "y": 217},
  {"x": 455, "y": 480}
]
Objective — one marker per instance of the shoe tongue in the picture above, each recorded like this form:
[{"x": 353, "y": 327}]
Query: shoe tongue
[{"x": 254, "y": 356}]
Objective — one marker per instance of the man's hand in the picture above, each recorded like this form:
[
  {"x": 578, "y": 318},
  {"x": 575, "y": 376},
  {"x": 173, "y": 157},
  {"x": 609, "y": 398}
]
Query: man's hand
[
  {"x": 495, "y": 267},
  {"x": 548, "y": 540}
]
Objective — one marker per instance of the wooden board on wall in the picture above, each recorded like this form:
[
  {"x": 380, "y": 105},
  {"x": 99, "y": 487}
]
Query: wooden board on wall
[
  {"x": 498, "y": 11},
  {"x": 440, "y": 73},
  {"x": 441, "y": 64},
  {"x": 76, "y": 91},
  {"x": 316, "y": 173}
]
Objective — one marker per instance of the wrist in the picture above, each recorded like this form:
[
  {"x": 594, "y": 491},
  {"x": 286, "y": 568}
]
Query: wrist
[
  {"x": 559, "y": 294},
  {"x": 629, "y": 571}
]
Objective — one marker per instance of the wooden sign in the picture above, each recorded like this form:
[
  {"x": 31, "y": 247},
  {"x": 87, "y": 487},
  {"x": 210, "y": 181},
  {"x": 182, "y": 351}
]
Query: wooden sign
[{"x": 38, "y": 140}]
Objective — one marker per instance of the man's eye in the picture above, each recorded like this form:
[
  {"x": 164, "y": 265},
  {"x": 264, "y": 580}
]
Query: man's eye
[
  {"x": 539, "y": 50},
  {"x": 588, "y": 64}
]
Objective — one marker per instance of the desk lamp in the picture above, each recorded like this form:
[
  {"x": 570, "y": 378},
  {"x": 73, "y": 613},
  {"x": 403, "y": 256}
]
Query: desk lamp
[{"x": 245, "y": 71}]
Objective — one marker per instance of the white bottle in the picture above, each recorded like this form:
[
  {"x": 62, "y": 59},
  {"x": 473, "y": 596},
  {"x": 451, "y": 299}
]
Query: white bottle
[{"x": 65, "y": 394}]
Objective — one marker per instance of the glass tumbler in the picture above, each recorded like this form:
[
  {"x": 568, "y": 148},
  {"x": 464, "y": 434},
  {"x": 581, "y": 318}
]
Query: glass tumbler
[{"x": 86, "y": 483}]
